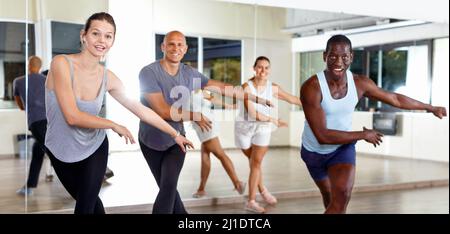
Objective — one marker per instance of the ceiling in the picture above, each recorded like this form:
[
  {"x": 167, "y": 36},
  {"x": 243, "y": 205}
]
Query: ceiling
[{"x": 431, "y": 10}]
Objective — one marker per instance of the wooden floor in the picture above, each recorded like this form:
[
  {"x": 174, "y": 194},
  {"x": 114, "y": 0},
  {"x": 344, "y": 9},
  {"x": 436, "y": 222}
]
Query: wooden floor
[
  {"x": 283, "y": 173},
  {"x": 416, "y": 201}
]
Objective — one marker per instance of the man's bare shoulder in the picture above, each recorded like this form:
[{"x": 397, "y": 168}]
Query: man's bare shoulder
[
  {"x": 362, "y": 80},
  {"x": 311, "y": 83},
  {"x": 310, "y": 92}
]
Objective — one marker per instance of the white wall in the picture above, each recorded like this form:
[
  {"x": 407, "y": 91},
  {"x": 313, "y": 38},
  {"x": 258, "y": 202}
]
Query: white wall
[
  {"x": 15, "y": 9},
  {"x": 12, "y": 123},
  {"x": 440, "y": 77},
  {"x": 127, "y": 57},
  {"x": 204, "y": 17},
  {"x": 431, "y": 10},
  {"x": 72, "y": 11}
]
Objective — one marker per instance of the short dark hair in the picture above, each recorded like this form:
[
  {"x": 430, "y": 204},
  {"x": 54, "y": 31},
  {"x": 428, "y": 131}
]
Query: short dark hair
[
  {"x": 338, "y": 39},
  {"x": 261, "y": 58},
  {"x": 100, "y": 16}
]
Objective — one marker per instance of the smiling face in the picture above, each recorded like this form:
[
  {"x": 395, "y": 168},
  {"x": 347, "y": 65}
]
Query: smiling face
[
  {"x": 338, "y": 58},
  {"x": 174, "y": 47},
  {"x": 262, "y": 69},
  {"x": 99, "y": 38}
]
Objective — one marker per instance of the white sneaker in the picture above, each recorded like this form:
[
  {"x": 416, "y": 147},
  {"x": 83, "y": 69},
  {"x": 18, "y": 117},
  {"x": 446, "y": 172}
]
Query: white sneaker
[
  {"x": 199, "y": 194},
  {"x": 269, "y": 198},
  {"x": 24, "y": 191},
  {"x": 254, "y": 207}
]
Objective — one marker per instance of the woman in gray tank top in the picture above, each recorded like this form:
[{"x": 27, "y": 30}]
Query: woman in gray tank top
[{"x": 76, "y": 140}]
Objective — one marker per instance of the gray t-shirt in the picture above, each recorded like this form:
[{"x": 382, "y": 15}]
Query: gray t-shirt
[
  {"x": 176, "y": 91},
  {"x": 36, "y": 96}
]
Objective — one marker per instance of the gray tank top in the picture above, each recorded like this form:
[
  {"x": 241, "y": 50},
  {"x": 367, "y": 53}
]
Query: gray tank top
[{"x": 73, "y": 144}]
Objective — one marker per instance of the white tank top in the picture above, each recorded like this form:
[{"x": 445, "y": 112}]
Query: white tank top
[
  {"x": 267, "y": 94},
  {"x": 199, "y": 104},
  {"x": 338, "y": 114}
]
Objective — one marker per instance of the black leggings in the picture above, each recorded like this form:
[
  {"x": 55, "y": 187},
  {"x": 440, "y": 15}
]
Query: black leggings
[
  {"x": 166, "y": 167},
  {"x": 38, "y": 130},
  {"x": 83, "y": 179}
]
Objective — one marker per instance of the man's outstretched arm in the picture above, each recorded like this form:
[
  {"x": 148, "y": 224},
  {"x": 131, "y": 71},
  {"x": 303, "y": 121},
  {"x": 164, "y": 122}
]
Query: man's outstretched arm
[{"x": 368, "y": 89}]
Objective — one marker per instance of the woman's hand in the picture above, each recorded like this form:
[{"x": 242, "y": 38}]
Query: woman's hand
[
  {"x": 204, "y": 123},
  {"x": 123, "y": 132},
  {"x": 279, "y": 123}
]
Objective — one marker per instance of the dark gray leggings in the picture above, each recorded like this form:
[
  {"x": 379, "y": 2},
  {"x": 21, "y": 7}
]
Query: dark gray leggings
[
  {"x": 166, "y": 167},
  {"x": 83, "y": 179},
  {"x": 38, "y": 130}
]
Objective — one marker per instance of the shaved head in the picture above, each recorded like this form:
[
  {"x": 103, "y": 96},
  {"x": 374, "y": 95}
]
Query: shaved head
[
  {"x": 174, "y": 34},
  {"x": 34, "y": 64},
  {"x": 174, "y": 47}
]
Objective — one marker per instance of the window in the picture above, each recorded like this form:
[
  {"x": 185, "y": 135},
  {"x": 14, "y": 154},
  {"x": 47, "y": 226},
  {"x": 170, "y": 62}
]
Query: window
[
  {"x": 222, "y": 60},
  {"x": 402, "y": 68},
  {"x": 310, "y": 64},
  {"x": 12, "y": 57},
  {"x": 65, "y": 38}
]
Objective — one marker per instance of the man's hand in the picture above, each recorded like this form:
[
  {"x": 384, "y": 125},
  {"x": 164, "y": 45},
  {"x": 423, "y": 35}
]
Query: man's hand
[
  {"x": 372, "y": 136},
  {"x": 439, "y": 111}
]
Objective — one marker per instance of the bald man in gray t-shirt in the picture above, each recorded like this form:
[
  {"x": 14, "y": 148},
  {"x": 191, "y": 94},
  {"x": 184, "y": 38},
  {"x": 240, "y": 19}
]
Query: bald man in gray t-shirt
[{"x": 37, "y": 122}]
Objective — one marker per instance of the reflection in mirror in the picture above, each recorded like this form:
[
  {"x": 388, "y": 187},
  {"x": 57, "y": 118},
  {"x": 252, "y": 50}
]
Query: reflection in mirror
[
  {"x": 31, "y": 33},
  {"x": 14, "y": 142},
  {"x": 12, "y": 57},
  {"x": 65, "y": 38}
]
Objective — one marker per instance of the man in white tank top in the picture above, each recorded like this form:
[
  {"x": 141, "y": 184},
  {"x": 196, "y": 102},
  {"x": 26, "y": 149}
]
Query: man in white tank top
[{"x": 328, "y": 144}]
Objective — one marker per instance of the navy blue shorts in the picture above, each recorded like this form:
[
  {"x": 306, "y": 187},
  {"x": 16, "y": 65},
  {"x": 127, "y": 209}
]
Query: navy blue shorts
[{"x": 318, "y": 164}]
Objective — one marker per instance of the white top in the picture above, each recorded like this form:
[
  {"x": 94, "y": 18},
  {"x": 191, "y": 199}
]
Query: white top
[
  {"x": 338, "y": 114},
  {"x": 267, "y": 94}
]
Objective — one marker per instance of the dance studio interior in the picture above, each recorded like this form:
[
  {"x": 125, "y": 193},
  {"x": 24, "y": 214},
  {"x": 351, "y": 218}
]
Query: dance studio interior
[{"x": 403, "y": 48}]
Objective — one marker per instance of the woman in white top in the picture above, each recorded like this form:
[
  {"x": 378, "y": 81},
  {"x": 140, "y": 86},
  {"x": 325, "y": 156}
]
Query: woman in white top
[
  {"x": 254, "y": 126},
  {"x": 202, "y": 101}
]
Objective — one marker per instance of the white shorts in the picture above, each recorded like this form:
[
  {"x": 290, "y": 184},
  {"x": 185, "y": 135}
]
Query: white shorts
[
  {"x": 248, "y": 133},
  {"x": 207, "y": 135}
]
